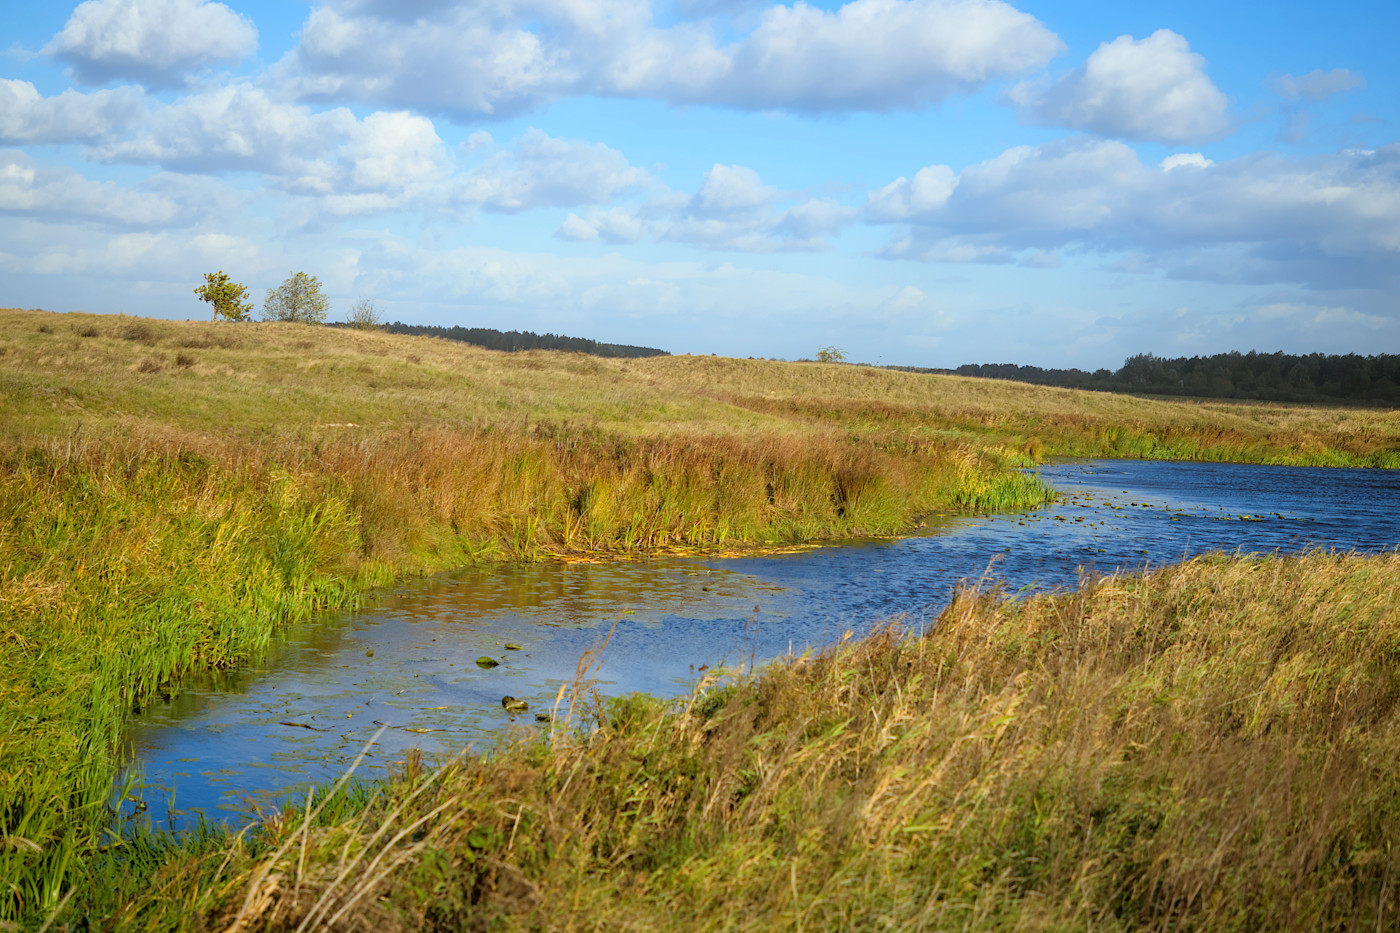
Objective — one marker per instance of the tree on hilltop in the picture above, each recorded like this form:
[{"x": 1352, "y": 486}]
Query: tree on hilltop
[
  {"x": 226, "y": 296},
  {"x": 299, "y": 299}
]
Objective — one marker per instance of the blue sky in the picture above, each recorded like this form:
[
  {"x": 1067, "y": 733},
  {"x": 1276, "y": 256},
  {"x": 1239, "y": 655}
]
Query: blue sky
[{"x": 922, "y": 182}]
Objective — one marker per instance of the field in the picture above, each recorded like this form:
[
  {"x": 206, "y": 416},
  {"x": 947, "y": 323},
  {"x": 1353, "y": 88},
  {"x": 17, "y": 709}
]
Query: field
[{"x": 171, "y": 493}]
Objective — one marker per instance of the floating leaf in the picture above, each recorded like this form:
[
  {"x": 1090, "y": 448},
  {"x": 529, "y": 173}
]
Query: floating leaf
[{"x": 487, "y": 663}]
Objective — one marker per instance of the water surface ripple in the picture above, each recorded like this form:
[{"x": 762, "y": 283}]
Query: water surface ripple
[{"x": 301, "y": 714}]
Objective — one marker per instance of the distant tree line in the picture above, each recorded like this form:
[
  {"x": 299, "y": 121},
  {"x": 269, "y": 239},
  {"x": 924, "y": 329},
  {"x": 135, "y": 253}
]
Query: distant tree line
[
  {"x": 513, "y": 340},
  {"x": 1281, "y": 377}
]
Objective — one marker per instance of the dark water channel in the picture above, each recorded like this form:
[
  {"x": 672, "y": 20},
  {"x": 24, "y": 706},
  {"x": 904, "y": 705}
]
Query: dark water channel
[{"x": 302, "y": 714}]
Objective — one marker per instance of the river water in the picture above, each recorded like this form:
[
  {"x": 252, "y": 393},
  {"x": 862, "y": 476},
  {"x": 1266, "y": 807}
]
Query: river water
[{"x": 231, "y": 742}]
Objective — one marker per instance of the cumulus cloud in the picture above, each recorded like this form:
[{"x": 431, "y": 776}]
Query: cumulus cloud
[
  {"x": 1315, "y": 317},
  {"x": 902, "y": 198},
  {"x": 32, "y": 189},
  {"x": 1149, "y": 89},
  {"x": 544, "y": 171},
  {"x": 155, "y": 42},
  {"x": 387, "y": 161},
  {"x": 731, "y": 191},
  {"x": 544, "y": 291},
  {"x": 1317, "y": 84},
  {"x": 613, "y": 226},
  {"x": 465, "y": 64},
  {"x": 1325, "y": 221},
  {"x": 28, "y": 117},
  {"x": 500, "y": 58},
  {"x": 1185, "y": 160},
  {"x": 732, "y": 209},
  {"x": 868, "y": 55},
  {"x": 233, "y": 128}
]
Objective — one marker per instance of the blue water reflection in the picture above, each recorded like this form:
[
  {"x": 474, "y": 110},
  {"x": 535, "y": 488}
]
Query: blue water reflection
[{"x": 301, "y": 714}]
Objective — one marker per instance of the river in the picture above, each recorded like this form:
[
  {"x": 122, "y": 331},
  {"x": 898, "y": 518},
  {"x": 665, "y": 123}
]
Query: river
[{"x": 235, "y": 741}]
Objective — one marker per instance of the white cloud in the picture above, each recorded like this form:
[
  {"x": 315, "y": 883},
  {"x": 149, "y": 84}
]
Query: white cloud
[
  {"x": 1325, "y": 221},
  {"x": 1149, "y": 89},
  {"x": 948, "y": 249},
  {"x": 1041, "y": 259},
  {"x": 155, "y": 42},
  {"x": 902, "y": 198},
  {"x": 873, "y": 55},
  {"x": 547, "y": 291},
  {"x": 731, "y": 191},
  {"x": 614, "y": 226},
  {"x": 28, "y": 117},
  {"x": 237, "y": 127},
  {"x": 1314, "y": 317},
  {"x": 49, "y": 193},
  {"x": 1184, "y": 160},
  {"x": 462, "y": 62},
  {"x": 732, "y": 209},
  {"x": 387, "y": 161},
  {"x": 389, "y": 151},
  {"x": 499, "y": 58},
  {"x": 1317, "y": 84},
  {"x": 543, "y": 171}
]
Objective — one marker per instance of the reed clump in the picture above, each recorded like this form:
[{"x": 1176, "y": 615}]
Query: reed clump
[{"x": 1206, "y": 747}]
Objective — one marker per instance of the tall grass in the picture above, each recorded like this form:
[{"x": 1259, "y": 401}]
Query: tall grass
[
  {"x": 171, "y": 493},
  {"x": 126, "y": 563},
  {"x": 1206, "y": 747}
]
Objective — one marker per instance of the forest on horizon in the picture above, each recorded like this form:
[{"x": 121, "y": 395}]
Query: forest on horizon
[
  {"x": 1277, "y": 377},
  {"x": 514, "y": 340}
]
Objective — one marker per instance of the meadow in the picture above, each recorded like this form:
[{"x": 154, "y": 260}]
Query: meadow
[{"x": 171, "y": 493}]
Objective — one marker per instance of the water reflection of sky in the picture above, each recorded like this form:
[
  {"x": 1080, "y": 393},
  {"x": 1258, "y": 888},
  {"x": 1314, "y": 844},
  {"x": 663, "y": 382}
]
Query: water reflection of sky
[{"x": 304, "y": 712}]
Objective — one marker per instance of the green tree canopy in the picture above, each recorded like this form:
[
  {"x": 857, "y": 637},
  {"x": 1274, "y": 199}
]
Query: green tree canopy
[
  {"x": 299, "y": 298},
  {"x": 226, "y": 296}
]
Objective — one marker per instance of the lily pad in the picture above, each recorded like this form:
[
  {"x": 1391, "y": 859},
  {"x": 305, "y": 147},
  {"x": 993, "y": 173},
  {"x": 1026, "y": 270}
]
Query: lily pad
[
  {"x": 487, "y": 663},
  {"x": 511, "y": 647}
]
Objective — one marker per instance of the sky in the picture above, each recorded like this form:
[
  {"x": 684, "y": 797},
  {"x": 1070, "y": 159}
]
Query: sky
[{"x": 916, "y": 182}]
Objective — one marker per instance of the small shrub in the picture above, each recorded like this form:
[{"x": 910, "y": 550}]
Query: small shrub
[
  {"x": 184, "y": 360},
  {"x": 45, "y": 329},
  {"x": 223, "y": 339},
  {"x": 87, "y": 330},
  {"x": 364, "y": 314},
  {"x": 150, "y": 365},
  {"x": 140, "y": 332}
]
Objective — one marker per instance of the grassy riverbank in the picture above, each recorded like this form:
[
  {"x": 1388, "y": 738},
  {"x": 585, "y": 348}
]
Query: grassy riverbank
[
  {"x": 172, "y": 492},
  {"x": 1209, "y": 747}
]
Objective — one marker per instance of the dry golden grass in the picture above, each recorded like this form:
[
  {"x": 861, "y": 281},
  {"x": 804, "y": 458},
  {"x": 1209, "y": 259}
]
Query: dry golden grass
[{"x": 313, "y": 382}]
